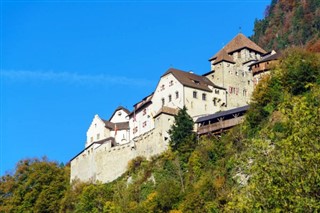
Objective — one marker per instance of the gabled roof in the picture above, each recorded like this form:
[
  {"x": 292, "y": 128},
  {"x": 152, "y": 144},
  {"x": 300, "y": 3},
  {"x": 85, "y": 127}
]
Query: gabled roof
[
  {"x": 119, "y": 108},
  {"x": 141, "y": 104},
  {"x": 222, "y": 55},
  {"x": 237, "y": 43},
  {"x": 191, "y": 80},
  {"x": 166, "y": 110},
  {"x": 112, "y": 126}
]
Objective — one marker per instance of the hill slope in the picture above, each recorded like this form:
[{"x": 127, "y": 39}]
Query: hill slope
[{"x": 289, "y": 23}]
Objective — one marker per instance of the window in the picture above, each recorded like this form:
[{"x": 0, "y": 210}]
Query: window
[
  {"x": 244, "y": 92},
  {"x": 248, "y": 82},
  {"x": 216, "y": 91},
  {"x": 196, "y": 82},
  {"x": 144, "y": 124},
  {"x": 204, "y": 96},
  {"x": 119, "y": 113},
  {"x": 144, "y": 111},
  {"x": 237, "y": 73},
  {"x": 135, "y": 129},
  {"x": 170, "y": 83},
  {"x": 162, "y": 100},
  {"x": 170, "y": 98},
  {"x": 177, "y": 94},
  {"x": 233, "y": 90},
  {"x": 194, "y": 94},
  {"x": 162, "y": 87}
]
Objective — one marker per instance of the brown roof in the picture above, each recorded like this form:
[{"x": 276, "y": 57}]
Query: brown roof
[
  {"x": 191, "y": 80},
  {"x": 166, "y": 110},
  {"x": 119, "y": 108},
  {"x": 237, "y": 43},
  {"x": 222, "y": 55},
  {"x": 270, "y": 57},
  {"x": 112, "y": 126},
  {"x": 146, "y": 101}
]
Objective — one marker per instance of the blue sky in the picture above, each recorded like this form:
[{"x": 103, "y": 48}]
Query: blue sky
[{"x": 62, "y": 62}]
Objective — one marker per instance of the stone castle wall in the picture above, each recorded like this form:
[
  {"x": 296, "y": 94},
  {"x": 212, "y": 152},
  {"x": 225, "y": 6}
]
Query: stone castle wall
[{"x": 105, "y": 163}]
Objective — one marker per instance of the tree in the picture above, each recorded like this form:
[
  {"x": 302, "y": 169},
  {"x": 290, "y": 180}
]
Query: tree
[
  {"x": 181, "y": 132},
  {"x": 36, "y": 186}
]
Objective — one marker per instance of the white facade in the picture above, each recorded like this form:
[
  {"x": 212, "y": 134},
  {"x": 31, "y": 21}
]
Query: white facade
[
  {"x": 120, "y": 115},
  {"x": 97, "y": 131}
]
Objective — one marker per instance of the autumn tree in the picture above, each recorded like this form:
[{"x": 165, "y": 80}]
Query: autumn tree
[{"x": 36, "y": 186}]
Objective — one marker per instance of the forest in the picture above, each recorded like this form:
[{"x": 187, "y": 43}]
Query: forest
[
  {"x": 289, "y": 23},
  {"x": 269, "y": 163}
]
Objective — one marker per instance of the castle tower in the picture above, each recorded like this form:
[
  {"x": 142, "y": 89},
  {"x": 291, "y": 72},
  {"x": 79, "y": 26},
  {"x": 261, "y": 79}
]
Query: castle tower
[{"x": 230, "y": 69}]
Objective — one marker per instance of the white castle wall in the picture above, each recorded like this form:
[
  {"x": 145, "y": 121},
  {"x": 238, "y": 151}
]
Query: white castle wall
[{"x": 105, "y": 163}]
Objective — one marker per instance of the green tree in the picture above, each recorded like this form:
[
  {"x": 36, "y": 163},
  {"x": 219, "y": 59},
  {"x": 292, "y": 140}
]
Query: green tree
[{"x": 181, "y": 132}]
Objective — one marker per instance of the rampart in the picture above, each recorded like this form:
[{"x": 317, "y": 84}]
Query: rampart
[{"x": 104, "y": 163}]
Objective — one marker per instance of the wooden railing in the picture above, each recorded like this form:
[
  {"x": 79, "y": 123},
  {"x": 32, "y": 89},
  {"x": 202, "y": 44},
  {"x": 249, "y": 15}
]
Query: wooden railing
[{"x": 221, "y": 125}]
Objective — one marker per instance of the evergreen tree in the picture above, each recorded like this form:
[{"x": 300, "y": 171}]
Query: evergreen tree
[{"x": 181, "y": 131}]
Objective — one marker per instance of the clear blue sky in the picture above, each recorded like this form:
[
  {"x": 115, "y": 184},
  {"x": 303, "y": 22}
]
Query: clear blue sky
[{"x": 62, "y": 62}]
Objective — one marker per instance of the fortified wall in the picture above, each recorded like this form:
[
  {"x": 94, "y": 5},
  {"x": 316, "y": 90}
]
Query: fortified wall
[{"x": 104, "y": 163}]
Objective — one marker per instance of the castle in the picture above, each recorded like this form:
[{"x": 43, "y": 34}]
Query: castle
[{"x": 111, "y": 144}]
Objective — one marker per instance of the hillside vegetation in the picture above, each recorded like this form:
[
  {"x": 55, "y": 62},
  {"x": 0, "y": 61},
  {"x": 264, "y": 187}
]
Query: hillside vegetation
[
  {"x": 289, "y": 23},
  {"x": 270, "y": 163}
]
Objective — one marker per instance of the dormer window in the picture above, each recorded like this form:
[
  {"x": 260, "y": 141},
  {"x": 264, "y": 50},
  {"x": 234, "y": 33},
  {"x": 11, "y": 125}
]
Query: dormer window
[{"x": 196, "y": 82}]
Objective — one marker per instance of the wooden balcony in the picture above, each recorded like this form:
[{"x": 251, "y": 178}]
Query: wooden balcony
[{"x": 219, "y": 126}]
